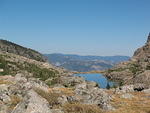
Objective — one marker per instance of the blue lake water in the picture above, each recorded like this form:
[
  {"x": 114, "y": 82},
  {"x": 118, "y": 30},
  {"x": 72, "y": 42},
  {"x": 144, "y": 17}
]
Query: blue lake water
[{"x": 98, "y": 78}]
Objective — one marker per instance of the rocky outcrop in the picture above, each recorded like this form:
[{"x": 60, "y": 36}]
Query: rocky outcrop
[
  {"x": 136, "y": 70},
  {"x": 19, "y": 94},
  {"x": 32, "y": 103},
  {"x": 148, "y": 40},
  {"x": 90, "y": 94}
]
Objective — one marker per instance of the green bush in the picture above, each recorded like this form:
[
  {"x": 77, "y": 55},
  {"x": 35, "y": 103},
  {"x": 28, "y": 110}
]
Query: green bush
[
  {"x": 42, "y": 73},
  {"x": 116, "y": 70},
  {"x": 134, "y": 68},
  {"x": 4, "y": 66},
  {"x": 14, "y": 67}
]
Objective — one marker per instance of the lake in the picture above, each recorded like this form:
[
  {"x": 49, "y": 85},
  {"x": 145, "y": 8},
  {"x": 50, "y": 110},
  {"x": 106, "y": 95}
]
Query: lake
[{"x": 98, "y": 78}]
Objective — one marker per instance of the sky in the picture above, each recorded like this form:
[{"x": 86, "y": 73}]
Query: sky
[{"x": 84, "y": 27}]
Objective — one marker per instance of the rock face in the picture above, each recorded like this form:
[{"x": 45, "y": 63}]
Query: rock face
[
  {"x": 136, "y": 70},
  {"x": 143, "y": 52},
  {"x": 19, "y": 50},
  {"x": 148, "y": 40}
]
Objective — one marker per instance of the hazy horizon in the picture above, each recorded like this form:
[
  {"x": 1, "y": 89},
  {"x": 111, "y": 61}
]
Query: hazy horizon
[
  {"x": 85, "y": 54},
  {"x": 82, "y": 27}
]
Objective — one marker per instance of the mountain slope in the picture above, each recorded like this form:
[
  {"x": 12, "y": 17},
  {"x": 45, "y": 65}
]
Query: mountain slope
[
  {"x": 10, "y": 47},
  {"x": 136, "y": 70},
  {"x": 84, "y": 63}
]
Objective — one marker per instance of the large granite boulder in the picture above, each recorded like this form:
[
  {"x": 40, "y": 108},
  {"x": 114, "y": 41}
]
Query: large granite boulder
[
  {"x": 33, "y": 103},
  {"x": 93, "y": 95}
]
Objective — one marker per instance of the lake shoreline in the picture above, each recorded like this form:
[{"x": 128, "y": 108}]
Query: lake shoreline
[
  {"x": 100, "y": 79},
  {"x": 90, "y": 72}
]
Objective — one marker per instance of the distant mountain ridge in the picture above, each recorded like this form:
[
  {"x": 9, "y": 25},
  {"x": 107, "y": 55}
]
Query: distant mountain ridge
[
  {"x": 11, "y": 47},
  {"x": 84, "y": 63}
]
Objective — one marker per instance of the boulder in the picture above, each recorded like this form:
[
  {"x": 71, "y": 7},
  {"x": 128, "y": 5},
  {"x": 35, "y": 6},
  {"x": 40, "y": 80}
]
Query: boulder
[
  {"x": 127, "y": 96},
  {"x": 71, "y": 80},
  {"x": 20, "y": 78},
  {"x": 146, "y": 91},
  {"x": 130, "y": 88},
  {"x": 93, "y": 95},
  {"x": 62, "y": 99},
  {"x": 33, "y": 104},
  {"x": 5, "y": 98},
  {"x": 125, "y": 89},
  {"x": 1, "y": 70}
]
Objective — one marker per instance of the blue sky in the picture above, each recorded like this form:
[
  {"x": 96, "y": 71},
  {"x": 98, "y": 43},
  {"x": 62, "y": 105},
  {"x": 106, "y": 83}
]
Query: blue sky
[{"x": 85, "y": 27}]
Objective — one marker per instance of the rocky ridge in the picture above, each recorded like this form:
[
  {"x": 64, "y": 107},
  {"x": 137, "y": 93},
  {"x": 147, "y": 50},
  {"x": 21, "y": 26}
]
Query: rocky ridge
[{"x": 134, "y": 71}]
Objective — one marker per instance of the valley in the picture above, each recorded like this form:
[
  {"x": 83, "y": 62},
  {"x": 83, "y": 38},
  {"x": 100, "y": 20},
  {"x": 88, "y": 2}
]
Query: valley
[
  {"x": 31, "y": 85},
  {"x": 85, "y": 63}
]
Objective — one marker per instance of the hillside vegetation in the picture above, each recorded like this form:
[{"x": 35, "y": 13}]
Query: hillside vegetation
[{"x": 10, "y": 47}]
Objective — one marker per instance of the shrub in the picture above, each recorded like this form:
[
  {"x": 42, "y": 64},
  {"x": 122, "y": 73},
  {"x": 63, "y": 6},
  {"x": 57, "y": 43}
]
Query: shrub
[
  {"x": 134, "y": 68},
  {"x": 116, "y": 70},
  {"x": 12, "y": 67},
  {"x": 4, "y": 65},
  {"x": 42, "y": 73}
]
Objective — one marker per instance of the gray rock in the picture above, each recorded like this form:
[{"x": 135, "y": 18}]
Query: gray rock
[
  {"x": 62, "y": 100},
  {"x": 56, "y": 111},
  {"x": 3, "y": 87},
  {"x": 73, "y": 99},
  {"x": 91, "y": 85},
  {"x": 146, "y": 91},
  {"x": 1, "y": 70},
  {"x": 5, "y": 98},
  {"x": 3, "y": 108},
  {"x": 71, "y": 80},
  {"x": 125, "y": 89},
  {"x": 20, "y": 78},
  {"x": 93, "y": 95},
  {"x": 33, "y": 104},
  {"x": 127, "y": 96},
  {"x": 130, "y": 88}
]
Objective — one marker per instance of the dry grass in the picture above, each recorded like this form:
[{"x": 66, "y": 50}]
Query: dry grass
[
  {"x": 53, "y": 93},
  {"x": 63, "y": 91},
  {"x": 81, "y": 108},
  {"x": 139, "y": 104},
  {"x": 5, "y": 82},
  {"x": 51, "y": 97},
  {"x": 14, "y": 101}
]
